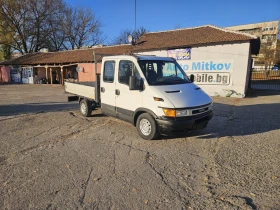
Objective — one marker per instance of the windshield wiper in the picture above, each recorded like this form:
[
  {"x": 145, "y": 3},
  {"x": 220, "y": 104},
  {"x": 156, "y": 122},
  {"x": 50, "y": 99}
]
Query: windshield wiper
[
  {"x": 161, "y": 83},
  {"x": 180, "y": 80},
  {"x": 169, "y": 82}
]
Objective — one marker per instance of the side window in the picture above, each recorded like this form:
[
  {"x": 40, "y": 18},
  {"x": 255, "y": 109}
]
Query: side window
[
  {"x": 108, "y": 72},
  {"x": 125, "y": 71}
]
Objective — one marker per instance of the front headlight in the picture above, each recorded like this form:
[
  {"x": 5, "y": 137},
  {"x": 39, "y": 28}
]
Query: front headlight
[
  {"x": 182, "y": 113},
  {"x": 176, "y": 113}
]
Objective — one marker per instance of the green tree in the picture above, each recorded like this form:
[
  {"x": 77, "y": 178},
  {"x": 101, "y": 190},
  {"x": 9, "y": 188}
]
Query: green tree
[
  {"x": 5, "y": 46},
  {"x": 5, "y": 52}
]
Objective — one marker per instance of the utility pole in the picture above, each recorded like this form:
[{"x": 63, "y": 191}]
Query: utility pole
[{"x": 135, "y": 15}]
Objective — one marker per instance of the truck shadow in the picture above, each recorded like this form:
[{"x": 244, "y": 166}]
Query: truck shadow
[
  {"x": 17, "y": 109},
  {"x": 228, "y": 120},
  {"x": 231, "y": 120}
]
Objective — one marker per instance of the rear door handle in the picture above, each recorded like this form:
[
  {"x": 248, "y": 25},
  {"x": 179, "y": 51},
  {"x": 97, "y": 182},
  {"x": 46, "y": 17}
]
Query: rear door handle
[
  {"x": 117, "y": 92},
  {"x": 102, "y": 89}
]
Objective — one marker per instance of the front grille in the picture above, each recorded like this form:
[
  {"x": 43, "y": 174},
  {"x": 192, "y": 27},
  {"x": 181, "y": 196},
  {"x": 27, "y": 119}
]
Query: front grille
[
  {"x": 198, "y": 111},
  {"x": 194, "y": 116}
]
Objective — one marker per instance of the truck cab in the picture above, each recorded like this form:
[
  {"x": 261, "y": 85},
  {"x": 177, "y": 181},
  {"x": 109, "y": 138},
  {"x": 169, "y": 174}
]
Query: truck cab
[{"x": 154, "y": 94}]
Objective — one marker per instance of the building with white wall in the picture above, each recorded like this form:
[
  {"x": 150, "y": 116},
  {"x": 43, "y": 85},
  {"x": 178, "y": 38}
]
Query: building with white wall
[{"x": 219, "y": 59}]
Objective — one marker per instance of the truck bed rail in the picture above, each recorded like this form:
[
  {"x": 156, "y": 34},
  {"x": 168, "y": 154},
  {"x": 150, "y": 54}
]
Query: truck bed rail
[{"x": 82, "y": 89}]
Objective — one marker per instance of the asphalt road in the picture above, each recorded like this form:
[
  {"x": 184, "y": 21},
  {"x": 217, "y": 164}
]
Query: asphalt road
[{"x": 52, "y": 158}]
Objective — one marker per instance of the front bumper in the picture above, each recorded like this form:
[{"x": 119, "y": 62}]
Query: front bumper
[{"x": 169, "y": 126}]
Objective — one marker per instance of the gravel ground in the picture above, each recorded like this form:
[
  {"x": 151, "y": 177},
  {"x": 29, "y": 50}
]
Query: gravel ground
[{"x": 52, "y": 158}]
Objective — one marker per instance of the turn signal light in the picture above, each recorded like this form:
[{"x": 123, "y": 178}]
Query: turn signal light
[
  {"x": 158, "y": 99},
  {"x": 169, "y": 112}
]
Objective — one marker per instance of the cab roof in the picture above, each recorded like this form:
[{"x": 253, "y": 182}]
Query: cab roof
[
  {"x": 143, "y": 57},
  {"x": 140, "y": 57}
]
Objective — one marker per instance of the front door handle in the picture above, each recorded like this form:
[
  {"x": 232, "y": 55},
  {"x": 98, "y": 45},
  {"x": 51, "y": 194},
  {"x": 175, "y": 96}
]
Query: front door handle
[
  {"x": 117, "y": 92},
  {"x": 102, "y": 89}
]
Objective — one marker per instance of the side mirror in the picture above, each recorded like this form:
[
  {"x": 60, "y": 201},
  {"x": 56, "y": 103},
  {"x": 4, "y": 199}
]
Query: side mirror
[
  {"x": 132, "y": 83},
  {"x": 192, "y": 78},
  {"x": 135, "y": 84}
]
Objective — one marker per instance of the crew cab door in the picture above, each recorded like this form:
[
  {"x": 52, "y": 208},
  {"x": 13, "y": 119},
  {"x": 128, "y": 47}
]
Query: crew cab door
[
  {"x": 107, "y": 88},
  {"x": 127, "y": 101}
]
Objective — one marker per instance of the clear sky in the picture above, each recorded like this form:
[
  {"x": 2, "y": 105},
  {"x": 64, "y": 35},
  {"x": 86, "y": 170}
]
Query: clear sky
[{"x": 159, "y": 15}]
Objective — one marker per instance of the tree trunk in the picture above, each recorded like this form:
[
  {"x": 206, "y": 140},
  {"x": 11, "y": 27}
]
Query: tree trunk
[{"x": 266, "y": 72}]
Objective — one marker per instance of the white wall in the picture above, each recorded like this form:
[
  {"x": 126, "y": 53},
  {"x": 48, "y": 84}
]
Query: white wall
[{"x": 237, "y": 55}]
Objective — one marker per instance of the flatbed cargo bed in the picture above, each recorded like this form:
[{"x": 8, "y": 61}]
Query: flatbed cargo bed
[{"x": 83, "y": 89}]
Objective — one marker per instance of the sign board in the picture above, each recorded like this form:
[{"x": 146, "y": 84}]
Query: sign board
[
  {"x": 180, "y": 54},
  {"x": 202, "y": 78},
  {"x": 206, "y": 72},
  {"x": 215, "y": 65},
  {"x": 209, "y": 72}
]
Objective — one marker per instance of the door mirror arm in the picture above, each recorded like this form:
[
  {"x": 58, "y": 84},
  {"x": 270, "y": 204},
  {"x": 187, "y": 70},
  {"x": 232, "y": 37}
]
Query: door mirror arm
[
  {"x": 141, "y": 85},
  {"x": 192, "y": 78}
]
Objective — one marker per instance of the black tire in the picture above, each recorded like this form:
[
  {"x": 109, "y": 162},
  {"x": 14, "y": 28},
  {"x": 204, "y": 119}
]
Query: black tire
[
  {"x": 85, "y": 108},
  {"x": 150, "y": 130},
  {"x": 93, "y": 105}
]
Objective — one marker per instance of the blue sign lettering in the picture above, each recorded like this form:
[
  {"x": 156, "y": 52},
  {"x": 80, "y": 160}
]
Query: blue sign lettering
[
  {"x": 204, "y": 66},
  {"x": 227, "y": 65},
  {"x": 196, "y": 66},
  {"x": 220, "y": 66},
  {"x": 212, "y": 66}
]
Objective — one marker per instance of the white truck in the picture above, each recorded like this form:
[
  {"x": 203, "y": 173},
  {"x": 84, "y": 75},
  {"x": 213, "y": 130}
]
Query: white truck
[{"x": 153, "y": 93}]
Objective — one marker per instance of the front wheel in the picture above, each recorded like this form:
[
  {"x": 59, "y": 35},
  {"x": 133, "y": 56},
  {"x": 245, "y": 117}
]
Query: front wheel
[
  {"x": 146, "y": 127},
  {"x": 85, "y": 108}
]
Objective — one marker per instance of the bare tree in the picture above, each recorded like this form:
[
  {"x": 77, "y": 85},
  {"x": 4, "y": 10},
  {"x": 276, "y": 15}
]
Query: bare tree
[
  {"x": 269, "y": 51},
  {"x": 82, "y": 28},
  {"x": 278, "y": 51},
  {"x": 37, "y": 24},
  {"x": 56, "y": 28},
  {"x": 122, "y": 38},
  {"x": 268, "y": 55},
  {"x": 27, "y": 19}
]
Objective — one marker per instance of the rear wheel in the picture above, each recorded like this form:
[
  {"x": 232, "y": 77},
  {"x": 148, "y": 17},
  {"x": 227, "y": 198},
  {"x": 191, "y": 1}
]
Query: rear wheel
[
  {"x": 146, "y": 127},
  {"x": 85, "y": 108}
]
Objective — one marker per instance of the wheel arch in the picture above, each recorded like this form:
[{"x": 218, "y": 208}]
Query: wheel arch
[
  {"x": 140, "y": 111},
  {"x": 87, "y": 99},
  {"x": 80, "y": 99}
]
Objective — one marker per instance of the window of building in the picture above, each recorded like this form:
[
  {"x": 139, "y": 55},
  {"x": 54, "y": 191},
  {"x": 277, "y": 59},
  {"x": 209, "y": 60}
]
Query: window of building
[
  {"x": 265, "y": 29},
  {"x": 269, "y": 38},
  {"x": 35, "y": 72},
  {"x": 109, "y": 71}
]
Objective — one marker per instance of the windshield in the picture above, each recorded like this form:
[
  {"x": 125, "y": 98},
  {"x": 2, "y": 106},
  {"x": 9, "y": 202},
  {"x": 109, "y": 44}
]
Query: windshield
[{"x": 163, "y": 72}]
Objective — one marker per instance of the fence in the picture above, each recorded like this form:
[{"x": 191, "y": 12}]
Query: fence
[{"x": 265, "y": 79}]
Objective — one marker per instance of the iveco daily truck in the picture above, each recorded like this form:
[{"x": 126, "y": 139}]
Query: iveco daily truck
[{"x": 153, "y": 93}]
